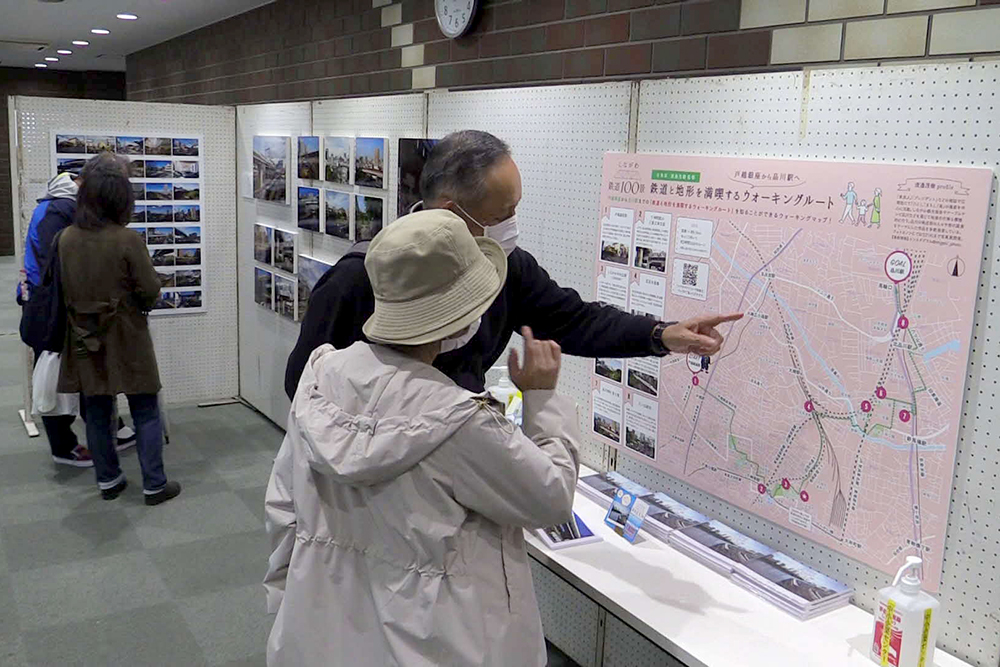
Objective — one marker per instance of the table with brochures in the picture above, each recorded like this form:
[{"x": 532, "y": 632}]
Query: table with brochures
[{"x": 700, "y": 617}]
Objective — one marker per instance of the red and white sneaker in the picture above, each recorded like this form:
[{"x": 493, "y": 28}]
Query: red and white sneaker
[{"x": 78, "y": 458}]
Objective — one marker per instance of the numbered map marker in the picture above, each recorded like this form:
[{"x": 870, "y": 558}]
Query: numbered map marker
[
  {"x": 866, "y": 406},
  {"x": 694, "y": 380},
  {"x": 804, "y": 496},
  {"x": 903, "y": 322},
  {"x": 880, "y": 392},
  {"x": 904, "y": 416},
  {"x": 898, "y": 266},
  {"x": 761, "y": 489},
  {"x": 785, "y": 484},
  {"x": 809, "y": 406}
]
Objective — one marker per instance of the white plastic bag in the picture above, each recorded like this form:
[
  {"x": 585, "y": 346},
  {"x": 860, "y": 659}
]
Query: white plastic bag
[{"x": 45, "y": 397}]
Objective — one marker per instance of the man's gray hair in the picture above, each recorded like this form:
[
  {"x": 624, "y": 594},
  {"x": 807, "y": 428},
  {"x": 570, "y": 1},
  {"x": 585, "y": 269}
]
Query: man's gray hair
[{"x": 456, "y": 168}]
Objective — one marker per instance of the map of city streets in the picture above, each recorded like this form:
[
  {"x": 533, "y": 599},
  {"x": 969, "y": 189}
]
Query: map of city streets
[{"x": 833, "y": 408}]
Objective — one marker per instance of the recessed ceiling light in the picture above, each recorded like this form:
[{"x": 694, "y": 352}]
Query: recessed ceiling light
[
  {"x": 51, "y": 59},
  {"x": 80, "y": 42},
  {"x": 64, "y": 52},
  {"x": 100, "y": 31},
  {"x": 41, "y": 65},
  {"x": 128, "y": 17}
]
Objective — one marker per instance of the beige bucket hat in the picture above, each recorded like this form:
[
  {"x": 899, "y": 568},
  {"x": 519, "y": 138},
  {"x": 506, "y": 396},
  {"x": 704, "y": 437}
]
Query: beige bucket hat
[{"x": 431, "y": 278}]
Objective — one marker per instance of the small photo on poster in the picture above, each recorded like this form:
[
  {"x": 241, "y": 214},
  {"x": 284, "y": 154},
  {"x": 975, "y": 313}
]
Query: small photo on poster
[
  {"x": 612, "y": 287},
  {"x": 309, "y": 158},
  {"x": 158, "y": 168},
  {"x": 652, "y": 242},
  {"x": 284, "y": 297},
  {"x": 167, "y": 278},
  {"x": 648, "y": 295},
  {"x": 189, "y": 299},
  {"x": 157, "y": 146},
  {"x": 187, "y": 213},
  {"x": 368, "y": 217},
  {"x": 616, "y": 235},
  {"x": 137, "y": 169},
  {"x": 262, "y": 287},
  {"x": 690, "y": 279},
  {"x": 611, "y": 369},
  {"x": 186, "y": 147},
  {"x": 263, "y": 243},
  {"x": 188, "y": 256},
  {"x": 158, "y": 191},
  {"x": 694, "y": 237},
  {"x": 100, "y": 145},
  {"x": 188, "y": 278},
  {"x": 187, "y": 192},
  {"x": 166, "y": 301},
  {"x": 189, "y": 235},
  {"x": 160, "y": 214},
  {"x": 138, "y": 191},
  {"x": 186, "y": 169},
  {"x": 71, "y": 143},
  {"x": 284, "y": 250},
  {"x": 644, "y": 375},
  {"x": 641, "y": 425},
  {"x": 607, "y": 411},
  {"x": 338, "y": 214},
  {"x": 163, "y": 257},
  {"x": 128, "y": 145},
  {"x": 160, "y": 236},
  {"x": 308, "y": 209}
]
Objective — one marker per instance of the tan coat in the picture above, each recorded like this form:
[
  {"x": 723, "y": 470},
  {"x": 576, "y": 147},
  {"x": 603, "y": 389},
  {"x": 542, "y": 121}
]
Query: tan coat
[
  {"x": 396, "y": 506},
  {"x": 108, "y": 281}
]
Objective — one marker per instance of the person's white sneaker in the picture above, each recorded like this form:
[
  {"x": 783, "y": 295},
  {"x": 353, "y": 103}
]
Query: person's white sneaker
[{"x": 126, "y": 438}]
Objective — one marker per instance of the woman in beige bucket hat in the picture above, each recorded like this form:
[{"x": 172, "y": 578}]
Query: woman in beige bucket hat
[{"x": 397, "y": 501}]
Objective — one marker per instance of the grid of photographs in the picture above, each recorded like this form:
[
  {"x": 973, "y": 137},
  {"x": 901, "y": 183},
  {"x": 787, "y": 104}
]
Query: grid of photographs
[
  {"x": 276, "y": 250},
  {"x": 166, "y": 179}
]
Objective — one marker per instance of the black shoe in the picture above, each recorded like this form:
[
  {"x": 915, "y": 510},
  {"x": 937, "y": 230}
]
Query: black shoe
[
  {"x": 114, "y": 491},
  {"x": 170, "y": 490}
]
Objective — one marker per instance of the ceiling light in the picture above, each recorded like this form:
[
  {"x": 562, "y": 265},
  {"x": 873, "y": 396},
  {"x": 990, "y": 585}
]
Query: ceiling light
[
  {"x": 64, "y": 52},
  {"x": 100, "y": 31},
  {"x": 41, "y": 65},
  {"x": 128, "y": 17},
  {"x": 51, "y": 59},
  {"x": 80, "y": 42}
]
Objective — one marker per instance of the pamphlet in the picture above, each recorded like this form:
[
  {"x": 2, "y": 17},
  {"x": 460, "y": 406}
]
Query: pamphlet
[
  {"x": 569, "y": 534},
  {"x": 620, "y": 515}
]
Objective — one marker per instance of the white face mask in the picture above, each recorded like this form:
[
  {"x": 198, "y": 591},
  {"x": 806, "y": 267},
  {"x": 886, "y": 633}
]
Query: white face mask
[
  {"x": 461, "y": 339},
  {"x": 504, "y": 232}
]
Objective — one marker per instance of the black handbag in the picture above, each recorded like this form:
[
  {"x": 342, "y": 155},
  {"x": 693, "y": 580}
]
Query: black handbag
[{"x": 43, "y": 315}]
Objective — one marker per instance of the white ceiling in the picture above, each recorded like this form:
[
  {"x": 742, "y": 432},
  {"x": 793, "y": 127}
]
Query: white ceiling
[{"x": 57, "y": 24}]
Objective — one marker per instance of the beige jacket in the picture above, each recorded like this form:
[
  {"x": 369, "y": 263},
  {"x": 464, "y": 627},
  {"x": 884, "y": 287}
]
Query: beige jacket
[{"x": 395, "y": 508}]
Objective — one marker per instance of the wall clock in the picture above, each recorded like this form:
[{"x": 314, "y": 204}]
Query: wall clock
[{"x": 455, "y": 17}]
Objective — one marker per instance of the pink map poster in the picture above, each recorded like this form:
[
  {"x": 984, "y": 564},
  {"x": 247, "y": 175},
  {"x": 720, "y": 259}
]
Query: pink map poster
[{"x": 833, "y": 409}]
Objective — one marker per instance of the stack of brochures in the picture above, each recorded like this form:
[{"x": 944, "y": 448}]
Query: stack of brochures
[
  {"x": 569, "y": 534},
  {"x": 601, "y": 487},
  {"x": 792, "y": 586},
  {"x": 718, "y": 546},
  {"x": 667, "y": 515}
]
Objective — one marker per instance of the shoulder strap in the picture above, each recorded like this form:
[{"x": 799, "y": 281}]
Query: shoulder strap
[{"x": 51, "y": 264}]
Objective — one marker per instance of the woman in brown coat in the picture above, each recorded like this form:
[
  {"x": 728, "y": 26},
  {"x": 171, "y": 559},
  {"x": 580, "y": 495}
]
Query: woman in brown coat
[{"x": 109, "y": 284}]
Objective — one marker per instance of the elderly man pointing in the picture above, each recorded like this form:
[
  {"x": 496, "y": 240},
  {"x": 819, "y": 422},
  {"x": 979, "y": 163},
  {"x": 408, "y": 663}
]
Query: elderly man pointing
[{"x": 472, "y": 174}]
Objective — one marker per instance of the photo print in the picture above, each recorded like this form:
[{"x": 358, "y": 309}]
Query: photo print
[
  {"x": 309, "y": 158},
  {"x": 166, "y": 278},
  {"x": 128, "y": 145},
  {"x": 186, "y": 147},
  {"x": 369, "y": 162},
  {"x": 263, "y": 243},
  {"x": 284, "y": 250},
  {"x": 413, "y": 154},
  {"x": 138, "y": 191},
  {"x": 187, "y": 213},
  {"x": 163, "y": 257},
  {"x": 262, "y": 285},
  {"x": 166, "y": 301},
  {"x": 310, "y": 271},
  {"x": 338, "y": 214},
  {"x": 71, "y": 143},
  {"x": 188, "y": 277},
  {"x": 189, "y": 300},
  {"x": 187, "y": 192},
  {"x": 187, "y": 235},
  {"x": 308, "y": 209},
  {"x": 338, "y": 159},
  {"x": 159, "y": 214},
  {"x": 159, "y": 169},
  {"x": 186, "y": 169},
  {"x": 70, "y": 165},
  {"x": 160, "y": 235},
  {"x": 284, "y": 297},
  {"x": 609, "y": 368},
  {"x": 97, "y": 145},
  {"x": 158, "y": 191},
  {"x": 138, "y": 214},
  {"x": 367, "y": 217},
  {"x": 270, "y": 160},
  {"x": 188, "y": 256},
  {"x": 157, "y": 146},
  {"x": 136, "y": 169}
]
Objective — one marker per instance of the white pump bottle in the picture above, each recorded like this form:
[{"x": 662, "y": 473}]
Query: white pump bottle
[{"x": 906, "y": 621}]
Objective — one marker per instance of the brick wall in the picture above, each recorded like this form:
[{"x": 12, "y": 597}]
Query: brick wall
[
  {"x": 307, "y": 49},
  {"x": 48, "y": 83}
]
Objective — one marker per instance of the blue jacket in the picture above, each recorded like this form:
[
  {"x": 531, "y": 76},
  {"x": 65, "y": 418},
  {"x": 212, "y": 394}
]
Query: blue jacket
[{"x": 54, "y": 213}]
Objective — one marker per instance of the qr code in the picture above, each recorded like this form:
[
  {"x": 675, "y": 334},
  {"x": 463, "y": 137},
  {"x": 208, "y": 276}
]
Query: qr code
[{"x": 690, "y": 277}]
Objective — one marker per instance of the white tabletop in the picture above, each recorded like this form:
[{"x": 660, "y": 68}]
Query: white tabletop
[{"x": 700, "y": 617}]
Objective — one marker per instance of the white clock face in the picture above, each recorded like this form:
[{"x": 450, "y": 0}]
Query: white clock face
[{"x": 455, "y": 16}]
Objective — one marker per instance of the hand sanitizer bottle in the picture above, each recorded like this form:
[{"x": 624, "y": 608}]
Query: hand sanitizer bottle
[
  {"x": 506, "y": 393},
  {"x": 906, "y": 621}
]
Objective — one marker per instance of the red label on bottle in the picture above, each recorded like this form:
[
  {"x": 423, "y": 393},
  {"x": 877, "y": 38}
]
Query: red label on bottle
[{"x": 895, "y": 642}]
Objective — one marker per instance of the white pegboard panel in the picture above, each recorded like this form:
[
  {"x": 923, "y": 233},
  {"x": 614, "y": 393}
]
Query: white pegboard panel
[
  {"x": 558, "y": 136},
  {"x": 937, "y": 114},
  {"x": 266, "y": 338},
  {"x": 624, "y": 647},
  {"x": 196, "y": 353},
  {"x": 569, "y": 618}
]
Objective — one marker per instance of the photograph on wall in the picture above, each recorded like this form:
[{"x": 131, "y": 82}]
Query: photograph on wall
[
  {"x": 284, "y": 297},
  {"x": 190, "y": 299},
  {"x": 188, "y": 256},
  {"x": 270, "y": 160},
  {"x": 413, "y": 154},
  {"x": 166, "y": 301},
  {"x": 71, "y": 143},
  {"x": 138, "y": 191},
  {"x": 125, "y": 146},
  {"x": 186, "y": 147},
  {"x": 158, "y": 191},
  {"x": 338, "y": 159},
  {"x": 310, "y": 271},
  {"x": 138, "y": 214},
  {"x": 262, "y": 285},
  {"x": 187, "y": 192},
  {"x": 338, "y": 214},
  {"x": 159, "y": 214},
  {"x": 166, "y": 278},
  {"x": 187, "y": 235},
  {"x": 369, "y": 162},
  {"x": 284, "y": 250},
  {"x": 186, "y": 169},
  {"x": 163, "y": 256},
  {"x": 97, "y": 145},
  {"x": 157, "y": 146},
  {"x": 309, "y": 158},
  {"x": 368, "y": 218},
  {"x": 159, "y": 168},
  {"x": 308, "y": 209},
  {"x": 188, "y": 278},
  {"x": 187, "y": 213},
  {"x": 263, "y": 243},
  {"x": 70, "y": 165},
  {"x": 136, "y": 169},
  {"x": 160, "y": 236}
]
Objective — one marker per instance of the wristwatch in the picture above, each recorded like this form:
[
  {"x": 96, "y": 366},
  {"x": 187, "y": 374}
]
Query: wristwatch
[{"x": 658, "y": 347}]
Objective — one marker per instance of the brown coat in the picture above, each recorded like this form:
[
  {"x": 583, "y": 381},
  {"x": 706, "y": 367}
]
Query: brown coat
[{"x": 108, "y": 282}]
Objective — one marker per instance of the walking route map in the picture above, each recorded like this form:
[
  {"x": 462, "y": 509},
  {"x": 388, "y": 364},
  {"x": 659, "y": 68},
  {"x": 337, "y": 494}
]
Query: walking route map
[{"x": 833, "y": 408}]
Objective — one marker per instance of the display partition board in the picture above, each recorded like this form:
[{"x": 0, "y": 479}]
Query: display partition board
[
  {"x": 936, "y": 113},
  {"x": 558, "y": 136},
  {"x": 196, "y": 351}
]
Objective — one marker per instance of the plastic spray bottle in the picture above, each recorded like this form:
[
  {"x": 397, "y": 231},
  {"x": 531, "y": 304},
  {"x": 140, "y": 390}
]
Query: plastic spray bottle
[
  {"x": 506, "y": 393},
  {"x": 906, "y": 621}
]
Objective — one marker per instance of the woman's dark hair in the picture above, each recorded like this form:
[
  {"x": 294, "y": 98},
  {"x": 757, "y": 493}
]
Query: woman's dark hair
[{"x": 105, "y": 195}]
